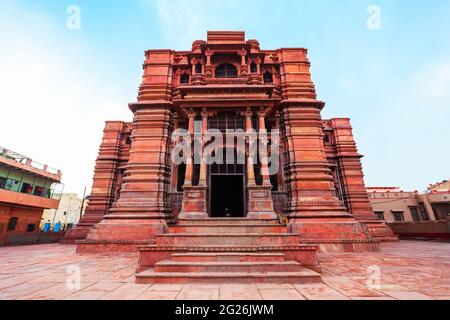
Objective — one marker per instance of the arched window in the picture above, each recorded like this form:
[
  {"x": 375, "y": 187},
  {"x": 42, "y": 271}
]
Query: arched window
[
  {"x": 253, "y": 68},
  {"x": 198, "y": 68},
  {"x": 268, "y": 77},
  {"x": 226, "y": 71},
  {"x": 184, "y": 78}
]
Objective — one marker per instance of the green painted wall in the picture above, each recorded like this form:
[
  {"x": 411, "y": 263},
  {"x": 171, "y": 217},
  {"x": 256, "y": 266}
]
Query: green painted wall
[{"x": 24, "y": 178}]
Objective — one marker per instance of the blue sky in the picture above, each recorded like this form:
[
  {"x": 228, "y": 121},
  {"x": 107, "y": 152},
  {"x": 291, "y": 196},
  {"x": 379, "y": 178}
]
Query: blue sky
[{"x": 58, "y": 86}]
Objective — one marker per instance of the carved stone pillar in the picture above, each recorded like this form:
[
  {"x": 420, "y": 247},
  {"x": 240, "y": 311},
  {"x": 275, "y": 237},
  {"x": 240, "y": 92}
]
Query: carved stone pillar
[
  {"x": 260, "y": 204},
  {"x": 194, "y": 197},
  {"x": 189, "y": 164},
  {"x": 243, "y": 68},
  {"x": 263, "y": 140},
  {"x": 175, "y": 167},
  {"x": 203, "y": 164},
  {"x": 208, "y": 68}
]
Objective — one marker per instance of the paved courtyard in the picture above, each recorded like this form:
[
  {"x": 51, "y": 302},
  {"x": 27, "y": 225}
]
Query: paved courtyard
[{"x": 408, "y": 270}]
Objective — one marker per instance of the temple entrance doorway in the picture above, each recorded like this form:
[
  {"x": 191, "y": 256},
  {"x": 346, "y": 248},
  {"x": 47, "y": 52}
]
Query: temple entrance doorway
[
  {"x": 227, "y": 196},
  {"x": 227, "y": 178}
]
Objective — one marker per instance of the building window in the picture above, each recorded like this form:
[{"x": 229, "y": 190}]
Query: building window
[
  {"x": 226, "y": 71},
  {"x": 268, "y": 77},
  {"x": 128, "y": 141},
  {"x": 198, "y": 68},
  {"x": 26, "y": 188},
  {"x": 398, "y": 216},
  {"x": 31, "y": 228},
  {"x": 423, "y": 212},
  {"x": 184, "y": 78},
  {"x": 441, "y": 211},
  {"x": 12, "y": 185},
  {"x": 39, "y": 191},
  {"x": 2, "y": 182},
  {"x": 12, "y": 224},
  {"x": 415, "y": 214},
  {"x": 253, "y": 68},
  {"x": 380, "y": 215}
]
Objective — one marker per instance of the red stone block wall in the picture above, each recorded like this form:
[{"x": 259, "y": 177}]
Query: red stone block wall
[{"x": 25, "y": 215}]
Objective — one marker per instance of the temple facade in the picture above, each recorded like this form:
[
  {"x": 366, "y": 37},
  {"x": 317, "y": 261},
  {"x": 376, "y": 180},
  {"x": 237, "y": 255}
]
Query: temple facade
[{"x": 228, "y": 84}]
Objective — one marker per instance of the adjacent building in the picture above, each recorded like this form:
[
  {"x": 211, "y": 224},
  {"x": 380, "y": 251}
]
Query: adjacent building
[
  {"x": 413, "y": 213},
  {"x": 71, "y": 208},
  {"x": 27, "y": 188}
]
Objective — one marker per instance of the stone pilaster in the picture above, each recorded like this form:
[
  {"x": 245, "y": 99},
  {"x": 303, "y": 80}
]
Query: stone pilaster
[
  {"x": 353, "y": 186},
  {"x": 105, "y": 173},
  {"x": 314, "y": 209},
  {"x": 141, "y": 211}
]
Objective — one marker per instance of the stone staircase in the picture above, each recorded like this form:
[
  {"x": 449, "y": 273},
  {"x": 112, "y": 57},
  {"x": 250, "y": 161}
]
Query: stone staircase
[{"x": 228, "y": 250}]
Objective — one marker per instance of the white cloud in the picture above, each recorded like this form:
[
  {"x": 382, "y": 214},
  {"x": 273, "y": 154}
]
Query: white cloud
[
  {"x": 183, "y": 21},
  {"x": 55, "y": 95}
]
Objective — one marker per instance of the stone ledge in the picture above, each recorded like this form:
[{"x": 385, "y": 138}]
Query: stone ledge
[{"x": 243, "y": 249}]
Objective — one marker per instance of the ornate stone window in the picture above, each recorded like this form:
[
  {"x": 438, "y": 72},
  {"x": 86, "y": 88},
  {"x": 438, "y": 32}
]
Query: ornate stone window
[
  {"x": 268, "y": 77},
  {"x": 226, "y": 70},
  {"x": 253, "y": 68},
  {"x": 198, "y": 68},
  {"x": 184, "y": 78}
]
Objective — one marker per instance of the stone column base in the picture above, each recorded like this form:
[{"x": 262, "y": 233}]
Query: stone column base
[
  {"x": 79, "y": 232},
  {"x": 327, "y": 228},
  {"x": 379, "y": 230},
  {"x": 194, "y": 203},
  {"x": 122, "y": 233},
  {"x": 260, "y": 204}
]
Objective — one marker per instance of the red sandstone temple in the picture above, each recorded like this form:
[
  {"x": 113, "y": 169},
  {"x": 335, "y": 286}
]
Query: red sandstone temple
[{"x": 228, "y": 221}]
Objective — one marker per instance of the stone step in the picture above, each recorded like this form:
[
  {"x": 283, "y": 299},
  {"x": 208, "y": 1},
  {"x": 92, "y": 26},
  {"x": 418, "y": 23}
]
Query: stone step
[
  {"x": 303, "y": 275},
  {"x": 228, "y": 256},
  {"x": 228, "y": 221},
  {"x": 202, "y": 239},
  {"x": 195, "y": 266},
  {"x": 227, "y": 228},
  {"x": 149, "y": 255}
]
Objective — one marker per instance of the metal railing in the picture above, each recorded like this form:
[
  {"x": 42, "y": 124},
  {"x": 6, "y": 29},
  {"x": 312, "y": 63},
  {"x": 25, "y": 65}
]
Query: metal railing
[
  {"x": 48, "y": 190},
  {"x": 17, "y": 157}
]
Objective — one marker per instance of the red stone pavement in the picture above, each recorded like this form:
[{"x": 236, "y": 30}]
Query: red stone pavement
[{"x": 409, "y": 270}]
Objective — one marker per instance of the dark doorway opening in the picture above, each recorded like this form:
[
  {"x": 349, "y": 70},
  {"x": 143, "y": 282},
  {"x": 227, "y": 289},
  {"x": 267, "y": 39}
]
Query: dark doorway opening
[{"x": 227, "y": 196}]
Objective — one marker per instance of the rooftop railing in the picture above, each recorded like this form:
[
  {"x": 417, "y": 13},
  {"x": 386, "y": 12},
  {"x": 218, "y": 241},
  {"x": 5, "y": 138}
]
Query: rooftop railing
[{"x": 17, "y": 157}]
